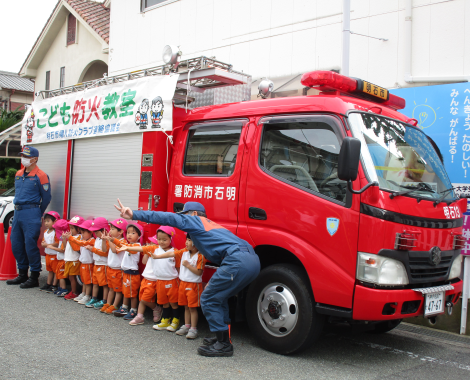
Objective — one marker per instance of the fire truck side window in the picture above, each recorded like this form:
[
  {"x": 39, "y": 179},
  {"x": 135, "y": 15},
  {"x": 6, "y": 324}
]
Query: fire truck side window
[
  {"x": 212, "y": 151},
  {"x": 304, "y": 154}
]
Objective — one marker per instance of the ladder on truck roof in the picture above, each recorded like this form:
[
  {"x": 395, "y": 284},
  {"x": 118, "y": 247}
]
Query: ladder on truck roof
[{"x": 196, "y": 75}]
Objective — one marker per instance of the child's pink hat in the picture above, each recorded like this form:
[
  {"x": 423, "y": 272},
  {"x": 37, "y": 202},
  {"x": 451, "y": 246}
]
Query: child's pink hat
[
  {"x": 98, "y": 224},
  {"x": 141, "y": 229},
  {"x": 76, "y": 221},
  {"x": 55, "y": 214},
  {"x": 154, "y": 239},
  {"x": 86, "y": 225},
  {"x": 60, "y": 227},
  {"x": 169, "y": 231},
  {"x": 119, "y": 223}
]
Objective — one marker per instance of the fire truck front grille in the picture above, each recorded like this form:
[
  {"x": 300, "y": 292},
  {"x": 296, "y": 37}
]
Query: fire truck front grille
[{"x": 421, "y": 267}]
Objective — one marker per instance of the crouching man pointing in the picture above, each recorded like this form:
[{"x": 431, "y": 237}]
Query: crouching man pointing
[{"x": 239, "y": 266}]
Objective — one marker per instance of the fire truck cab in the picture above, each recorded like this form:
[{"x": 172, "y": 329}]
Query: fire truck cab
[{"x": 345, "y": 200}]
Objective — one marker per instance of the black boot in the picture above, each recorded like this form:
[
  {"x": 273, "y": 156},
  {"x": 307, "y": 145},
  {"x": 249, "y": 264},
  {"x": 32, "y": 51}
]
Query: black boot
[
  {"x": 32, "y": 281},
  {"x": 22, "y": 277},
  {"x": 223, "y": 346},
  {"x": 209, "y": 341}
]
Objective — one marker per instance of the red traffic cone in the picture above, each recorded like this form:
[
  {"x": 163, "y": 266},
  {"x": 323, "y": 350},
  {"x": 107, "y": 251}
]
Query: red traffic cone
[
  {"x": 8, "y": 267},
  {"x": 2, "y": 241}
]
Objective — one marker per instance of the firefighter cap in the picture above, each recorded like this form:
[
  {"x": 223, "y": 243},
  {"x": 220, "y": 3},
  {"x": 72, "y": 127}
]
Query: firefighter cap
[{"x": 192, "y": 206}]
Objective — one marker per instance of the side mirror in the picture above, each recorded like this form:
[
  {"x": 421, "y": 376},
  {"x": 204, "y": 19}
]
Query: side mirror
[
  {"x": 348, "y": 163},
  {"x": 348, "y": 160}
]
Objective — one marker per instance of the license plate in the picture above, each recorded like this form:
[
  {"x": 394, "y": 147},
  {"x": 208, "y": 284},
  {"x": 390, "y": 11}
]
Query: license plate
[{"x": 434, "y": 303}]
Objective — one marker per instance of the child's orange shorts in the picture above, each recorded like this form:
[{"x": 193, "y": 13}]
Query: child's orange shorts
[
  {"x": 148, "y": 290},
  {"x": 115, "y": 279},
  {"x": 99, "y": 275},
  {"x": 72, "y": 268},
  {"x": 86, "y": 273},
  {"x": 51, "y": 263},
  {"x": 167, "y": 291},
  {"x": 130, "y": 285},
  {"x": 60, "y": 270},
  {"x": 190, "y": 294}
]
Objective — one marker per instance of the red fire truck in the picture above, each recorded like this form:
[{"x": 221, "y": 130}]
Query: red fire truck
[{"x": 345, "y": 200}]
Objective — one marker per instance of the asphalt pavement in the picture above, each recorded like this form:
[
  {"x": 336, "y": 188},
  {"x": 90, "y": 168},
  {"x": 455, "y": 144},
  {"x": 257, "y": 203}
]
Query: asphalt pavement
[{"x": 45, "y": 337}]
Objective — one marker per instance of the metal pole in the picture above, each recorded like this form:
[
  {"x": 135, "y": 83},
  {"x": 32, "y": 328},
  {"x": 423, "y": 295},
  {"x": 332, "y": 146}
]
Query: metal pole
[
  {"x": 466, "y": 288},
  {"x": 346, "y": 36}
]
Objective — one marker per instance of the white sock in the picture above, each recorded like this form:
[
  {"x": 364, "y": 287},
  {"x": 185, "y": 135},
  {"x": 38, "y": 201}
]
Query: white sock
[
  {"x": 125, "y": 306},
  {"x": 133, "y": 309}
]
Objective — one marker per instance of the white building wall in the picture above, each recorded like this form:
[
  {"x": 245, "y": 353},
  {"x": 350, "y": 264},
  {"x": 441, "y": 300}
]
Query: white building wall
[
  {"x": 282, "y": 38},
  {"x": 75, "y": 57}
]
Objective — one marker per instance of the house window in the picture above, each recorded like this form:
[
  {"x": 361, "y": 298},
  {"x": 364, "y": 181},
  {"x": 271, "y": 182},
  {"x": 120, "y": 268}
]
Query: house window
[
  {"x": 62, "y": 76},
  {"x": 149, "y": 4},
  {"x": 71, "y": 29},
  {"x": 48, "y": 81}
]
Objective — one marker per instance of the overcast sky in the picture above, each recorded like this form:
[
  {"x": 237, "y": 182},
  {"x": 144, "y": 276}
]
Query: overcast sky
[{"x": 21, "y": 23}]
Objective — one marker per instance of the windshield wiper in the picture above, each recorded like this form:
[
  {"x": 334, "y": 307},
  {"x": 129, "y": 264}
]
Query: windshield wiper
[
  {"x": 444, "y": 194},
  {"x": 420, "y": 187}
]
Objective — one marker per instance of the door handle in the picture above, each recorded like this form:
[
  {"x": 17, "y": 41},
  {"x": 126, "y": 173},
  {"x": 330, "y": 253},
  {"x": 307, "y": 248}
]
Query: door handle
[{"x": 257, "y": 213}]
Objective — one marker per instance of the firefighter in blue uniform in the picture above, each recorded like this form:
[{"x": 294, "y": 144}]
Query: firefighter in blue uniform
[
  {"x": 239, "y": 266},
  {"x": 32, "y": 196}
]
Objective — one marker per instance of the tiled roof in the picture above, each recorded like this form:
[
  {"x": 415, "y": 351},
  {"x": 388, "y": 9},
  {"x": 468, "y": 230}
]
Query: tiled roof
[
  {"x": 14, "y": 82},
  {"x": 95, "y": 14}
]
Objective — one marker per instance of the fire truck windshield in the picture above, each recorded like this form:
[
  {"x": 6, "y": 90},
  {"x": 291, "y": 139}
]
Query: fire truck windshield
[{"x": 400, "y": 157}]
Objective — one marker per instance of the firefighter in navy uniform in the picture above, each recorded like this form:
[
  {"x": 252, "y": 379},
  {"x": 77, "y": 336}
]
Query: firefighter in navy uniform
[
  {"x": 239, "y": 266},
  {"x": 32, "y": 196}
]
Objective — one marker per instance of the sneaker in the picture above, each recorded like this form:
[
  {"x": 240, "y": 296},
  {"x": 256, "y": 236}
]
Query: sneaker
[
  {"x": 92, "y": 302},
  {"x": 183, "y": 330},
  {"x": 157, "y": 314},
  {"x": 99, "y": 304},
  {"x": 174, "y": 325},
  {"x": 192, "y": 334},
  {"x": 130, "y": 315},
  {"x": 70, "y": 296},
  {"x": 103, "y": 308},
  {"x": 58, "y": 290},
  {"x": 138, "y": 320},
  {"x": 62, "y": 293},
  {"x": 45, "y": 287},
  {"x": 84, "y": 300},
  {"x": 76, "y": 299},
  {"x": 163, "y": 324},
  {"x": 52, "y": 289},
  {"x": 121, "y": 312},
  {"x": 110, "y": 309}
]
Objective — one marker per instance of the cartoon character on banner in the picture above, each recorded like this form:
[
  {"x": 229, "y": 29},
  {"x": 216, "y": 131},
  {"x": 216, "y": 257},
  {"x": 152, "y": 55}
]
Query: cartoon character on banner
[
  {"x": 141, "y": 118},
  {"x": 29, "y": 127},
  {"x": 156, "y": 110}
]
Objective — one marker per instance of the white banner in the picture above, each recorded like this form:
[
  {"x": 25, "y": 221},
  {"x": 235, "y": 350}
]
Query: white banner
[{"x": 138, "y": 105}]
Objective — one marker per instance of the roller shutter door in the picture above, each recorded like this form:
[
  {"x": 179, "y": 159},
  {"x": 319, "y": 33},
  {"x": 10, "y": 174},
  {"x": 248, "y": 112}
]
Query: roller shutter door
[
  {"x": 105, "y": 168},
  {"x": 53, "y": 161}
]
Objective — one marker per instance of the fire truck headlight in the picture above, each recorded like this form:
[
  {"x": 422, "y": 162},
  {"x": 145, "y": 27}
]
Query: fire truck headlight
[
  {"x": 171, "y": 54},
  {"x": 380, "y": 270},
  {"x": 456, "y": 270}
]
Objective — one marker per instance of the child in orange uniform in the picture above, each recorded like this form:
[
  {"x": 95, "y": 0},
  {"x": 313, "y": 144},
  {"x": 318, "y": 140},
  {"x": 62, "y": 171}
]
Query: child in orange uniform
[
  {"x": 72, "y": 254},
  {"x": 131, "y": 276},
  {"x": 100, "y": 256},
  {"x": 61, "y": 226},
  {"x": 114, "y": 272},
  {"x": 190, "y": 289},
  {"x": 86, "y": 261},
  {"x": 160, "y": 277},
  {"x": 51, "y": 255}
]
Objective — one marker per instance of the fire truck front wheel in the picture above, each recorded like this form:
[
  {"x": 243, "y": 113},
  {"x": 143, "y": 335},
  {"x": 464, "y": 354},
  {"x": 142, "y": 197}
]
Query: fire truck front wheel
[{"x": 280, "y": 310}]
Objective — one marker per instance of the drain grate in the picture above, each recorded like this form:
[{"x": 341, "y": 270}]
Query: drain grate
[{"x": 463, "y": 339}]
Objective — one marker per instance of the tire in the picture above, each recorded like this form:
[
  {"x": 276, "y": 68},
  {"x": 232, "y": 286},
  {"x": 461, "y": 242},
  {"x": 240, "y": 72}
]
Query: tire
[
  {"x": 281, "y": 295},
  {"x": 8, "y": 221},
  {"x": 383, "y": 327},
  {"x": 79, "y": 281}
]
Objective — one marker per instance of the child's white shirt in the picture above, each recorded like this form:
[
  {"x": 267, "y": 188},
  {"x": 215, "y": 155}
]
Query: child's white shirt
[
  {"x": 60, "y": 255},
  {"x": 115, "y": 259},
  {"x": 49, "y": 238},
  {"x": 70, "y": 254},
  {"x": 164, "y": 269},
  {"x": 130, "y": 261},
  {"x": 99, "y": 260},
  {"x": 86, "y": 256},
  {"x": 185, "y": 274}
]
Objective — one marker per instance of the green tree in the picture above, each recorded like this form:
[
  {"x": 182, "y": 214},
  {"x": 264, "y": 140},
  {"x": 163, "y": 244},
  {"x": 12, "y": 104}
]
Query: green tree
[
  {"x": 10, "y": 180},
  {"x": 10, "y": 118},
  {"x": 7, "y": 120}
]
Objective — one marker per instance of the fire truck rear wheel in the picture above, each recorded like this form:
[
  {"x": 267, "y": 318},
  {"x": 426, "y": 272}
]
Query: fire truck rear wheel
[{"x": 280, "y": 310}]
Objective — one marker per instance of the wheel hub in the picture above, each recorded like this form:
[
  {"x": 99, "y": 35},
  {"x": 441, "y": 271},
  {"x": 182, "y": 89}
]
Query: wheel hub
[{"x": 277, "y": 309}]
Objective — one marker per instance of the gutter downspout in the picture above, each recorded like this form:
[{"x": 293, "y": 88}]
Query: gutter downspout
[
  {"x": 346, "y": 37},
  {"x": 408, "y": 36}
]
